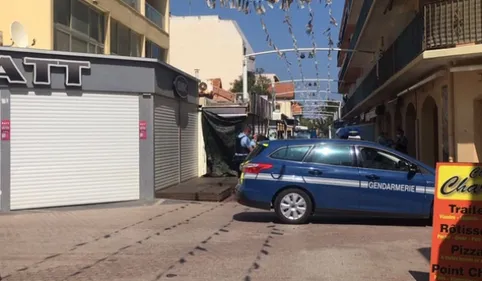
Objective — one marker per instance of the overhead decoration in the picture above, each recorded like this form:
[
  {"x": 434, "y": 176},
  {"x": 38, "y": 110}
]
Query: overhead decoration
[
  {"x": 311, "y": 99},
  {"x": 281, "y": 55},
  {"x": 327, "y": 33},
  {"x": 246, "y": 5},
  {"x": 299, "y": 56},
  {"x": 310, "y": 31}
]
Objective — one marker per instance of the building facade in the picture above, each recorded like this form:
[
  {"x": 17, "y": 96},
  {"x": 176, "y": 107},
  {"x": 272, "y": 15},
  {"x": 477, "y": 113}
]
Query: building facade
[
  {"x": 413, "y": 70},
  {"x": 80, "y": 128},
  {"x": 138, "y": 28},
  {"x": 209, "y": 47},
  {"x": 285, "y": 93}
]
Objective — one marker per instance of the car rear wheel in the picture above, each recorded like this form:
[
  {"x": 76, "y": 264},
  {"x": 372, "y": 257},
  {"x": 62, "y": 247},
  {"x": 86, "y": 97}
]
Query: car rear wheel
[{"x": 293, "y": 206}]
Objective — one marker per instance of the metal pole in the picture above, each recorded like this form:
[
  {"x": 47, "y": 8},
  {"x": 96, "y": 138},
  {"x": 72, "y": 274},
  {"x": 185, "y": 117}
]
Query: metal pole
[
  {"x": 329, "y": 131},
  {"x": 316, "y": 111},
  {"x": 318, "y": 100},
  {"x": 273, "y": 98},
  {"x": 335, "y": 106},
  {"x": 309, "y": 50},
  {"x": 245, "y": 79},
  {"x": 309, "y": 80},
  {"x": 308, "y": 91}
]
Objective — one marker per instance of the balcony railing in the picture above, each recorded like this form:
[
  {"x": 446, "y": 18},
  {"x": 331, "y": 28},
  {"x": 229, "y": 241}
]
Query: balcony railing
[
  {"x": 405, "y": 48},
  {"x": 442, "y": 24},
  {"x": 367, "y": 4},
  {"x": 155, "y": 16},
  {"x": 451, "y": 23},
  {"x": 133, "y": 3},
  {"x": 345, "y": 20}
]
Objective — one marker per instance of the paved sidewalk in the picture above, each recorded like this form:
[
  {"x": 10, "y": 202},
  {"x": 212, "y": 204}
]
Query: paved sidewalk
[{"x": 185, "y": 241}]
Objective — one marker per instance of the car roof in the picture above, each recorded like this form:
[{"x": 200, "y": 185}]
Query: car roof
[
  {"x": 315, "y": 141},
  {"x": 278, "y": 143}
]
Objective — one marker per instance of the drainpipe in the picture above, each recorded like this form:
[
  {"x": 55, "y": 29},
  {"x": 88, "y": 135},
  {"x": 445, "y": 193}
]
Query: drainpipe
[
  {"x": 451, "y": 119},
  {"x": 417, "y": 129},
  {"x": 273, "y": 98},
  {"x": 245, "y": 79}
]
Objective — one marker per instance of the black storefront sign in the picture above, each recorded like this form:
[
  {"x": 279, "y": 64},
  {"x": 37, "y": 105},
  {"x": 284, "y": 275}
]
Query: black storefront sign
[
  {"x": 181, "y": 87},
  {"x": 42, "y": 70}
]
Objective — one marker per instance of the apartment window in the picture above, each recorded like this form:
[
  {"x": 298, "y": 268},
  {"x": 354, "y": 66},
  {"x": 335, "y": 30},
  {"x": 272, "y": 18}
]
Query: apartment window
[
  {"x": 278, "y": 107},
  {"x": 124, "y": 41},
  {"x": 78, "y": 28},
  {"x": 155, "y": 51}
]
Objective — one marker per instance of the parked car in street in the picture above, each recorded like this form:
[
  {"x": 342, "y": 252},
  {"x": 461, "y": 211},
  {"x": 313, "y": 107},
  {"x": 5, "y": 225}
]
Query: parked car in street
[{"x": 301, "y": 177}]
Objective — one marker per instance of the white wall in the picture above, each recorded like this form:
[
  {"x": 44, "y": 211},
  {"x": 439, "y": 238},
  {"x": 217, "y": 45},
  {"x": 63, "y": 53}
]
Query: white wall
[
  {"x": 285, "y": 108},
  {"x": 202, "y": 157},
  {"x": 210, "y": 44}
]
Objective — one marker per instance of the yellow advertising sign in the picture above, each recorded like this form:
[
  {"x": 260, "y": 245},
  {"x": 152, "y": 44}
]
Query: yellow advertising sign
[
  {"x": 457, "y": 223},
  {"x": 459, "y": 181}
]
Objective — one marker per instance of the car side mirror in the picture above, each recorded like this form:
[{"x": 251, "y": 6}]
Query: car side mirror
[{"x": 413, "y": 168}]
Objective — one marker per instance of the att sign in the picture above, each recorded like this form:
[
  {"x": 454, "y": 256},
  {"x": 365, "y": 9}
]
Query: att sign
[{"x": 41, "y": 70}]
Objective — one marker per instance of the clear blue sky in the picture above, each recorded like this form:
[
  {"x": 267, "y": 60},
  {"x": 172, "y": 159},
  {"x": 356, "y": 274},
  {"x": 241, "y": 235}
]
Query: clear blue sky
[{"x": 278, "y": 30}]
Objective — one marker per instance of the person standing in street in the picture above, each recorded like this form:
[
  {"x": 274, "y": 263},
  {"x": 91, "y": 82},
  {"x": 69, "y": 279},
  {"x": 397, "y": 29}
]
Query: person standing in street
[
  {"x": 401, "y": 143},
  {"x": 242, "y": 147},
  {"x": 254, "y": 141}
]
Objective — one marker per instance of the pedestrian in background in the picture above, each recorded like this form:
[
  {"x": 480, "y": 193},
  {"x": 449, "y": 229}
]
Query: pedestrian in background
[
  {"x": 382, "y": 139},
  {"x": 401, "y": 142}
]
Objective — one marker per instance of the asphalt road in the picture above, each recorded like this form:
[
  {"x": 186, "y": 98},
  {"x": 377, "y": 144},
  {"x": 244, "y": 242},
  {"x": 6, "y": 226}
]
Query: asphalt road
[{"x": 206, "y": 241}]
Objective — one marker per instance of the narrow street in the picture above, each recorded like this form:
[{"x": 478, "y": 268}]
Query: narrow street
[{"x": 206, "y": 241}]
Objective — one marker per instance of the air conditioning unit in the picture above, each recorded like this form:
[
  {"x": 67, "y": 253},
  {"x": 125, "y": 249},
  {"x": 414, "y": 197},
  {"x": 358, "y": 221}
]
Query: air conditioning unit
[
  {"x": 206, "y": 87},
  {"x": 276, "y": 115}
]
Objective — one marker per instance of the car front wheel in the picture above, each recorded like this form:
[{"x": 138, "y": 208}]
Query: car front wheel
[{"x": 293, "y": 206}]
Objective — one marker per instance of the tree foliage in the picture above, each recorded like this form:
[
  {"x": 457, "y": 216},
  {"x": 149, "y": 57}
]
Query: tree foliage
[
  {"x": 257, "y": 83},
  {"x": 322, "y": 124}
]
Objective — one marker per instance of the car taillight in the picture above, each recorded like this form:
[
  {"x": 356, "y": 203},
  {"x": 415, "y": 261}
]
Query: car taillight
[{"x": 256, "y": 168}]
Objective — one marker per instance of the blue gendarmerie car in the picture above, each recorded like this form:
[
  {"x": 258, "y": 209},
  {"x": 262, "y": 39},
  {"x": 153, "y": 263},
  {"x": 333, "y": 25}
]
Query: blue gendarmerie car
[{"x": 298, "y": 178}]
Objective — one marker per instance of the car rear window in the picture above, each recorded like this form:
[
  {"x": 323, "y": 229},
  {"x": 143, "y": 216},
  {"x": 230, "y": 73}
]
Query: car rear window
[
  {"x": 256, "y": 151},
  {"x": 291, "y": 153}
]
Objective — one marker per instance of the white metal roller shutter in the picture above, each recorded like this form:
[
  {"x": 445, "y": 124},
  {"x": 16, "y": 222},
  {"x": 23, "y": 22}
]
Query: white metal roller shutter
[
  {"x": 189, "y": 142},
  {"x": 73, "y": 150},
  {"x": 166, "y": 142}
]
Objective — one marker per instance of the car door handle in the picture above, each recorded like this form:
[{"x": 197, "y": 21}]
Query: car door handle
[
  {"x": 315, "y": 172},
  {"x": 372, "y": 177}
]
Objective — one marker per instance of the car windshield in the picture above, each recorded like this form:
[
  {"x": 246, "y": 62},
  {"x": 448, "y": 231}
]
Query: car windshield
[{"x": 303, "y": 135}]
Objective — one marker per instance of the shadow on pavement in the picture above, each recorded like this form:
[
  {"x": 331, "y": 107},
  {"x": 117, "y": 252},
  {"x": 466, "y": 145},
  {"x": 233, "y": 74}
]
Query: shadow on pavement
[
  {"x": 267, "y": 217},
  {"x": 425, "y": 253},
  {"x": 419, "y": 276}
]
